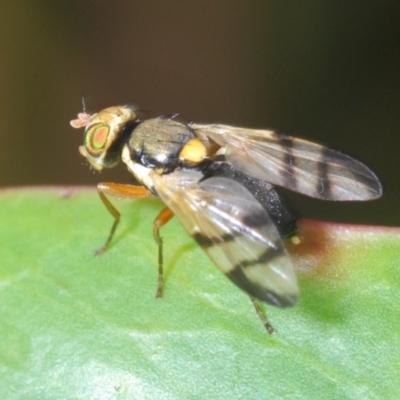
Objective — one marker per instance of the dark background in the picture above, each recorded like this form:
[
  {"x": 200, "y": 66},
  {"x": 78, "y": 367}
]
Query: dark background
[{"x": 327, "y": 71}]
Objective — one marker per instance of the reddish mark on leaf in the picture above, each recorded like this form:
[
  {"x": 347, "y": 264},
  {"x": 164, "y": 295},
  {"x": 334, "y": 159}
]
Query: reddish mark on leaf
[{"x": 319, "y": 250}]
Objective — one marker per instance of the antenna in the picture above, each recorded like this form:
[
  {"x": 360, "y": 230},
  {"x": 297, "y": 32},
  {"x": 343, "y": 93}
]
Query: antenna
[{"x": 83, "y": 105}]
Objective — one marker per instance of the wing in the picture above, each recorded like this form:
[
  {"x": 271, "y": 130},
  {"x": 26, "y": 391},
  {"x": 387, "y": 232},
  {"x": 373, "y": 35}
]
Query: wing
[
  {"x": 236, "y": 233},
  {"x": 296, "y": 164}
]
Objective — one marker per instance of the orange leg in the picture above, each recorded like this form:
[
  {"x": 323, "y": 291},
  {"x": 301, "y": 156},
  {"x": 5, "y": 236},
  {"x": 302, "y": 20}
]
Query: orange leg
[
  {"x": 122, "y": 191},
  {"x": 162, "y": 218},
  {"x": 261, "y": 315}
]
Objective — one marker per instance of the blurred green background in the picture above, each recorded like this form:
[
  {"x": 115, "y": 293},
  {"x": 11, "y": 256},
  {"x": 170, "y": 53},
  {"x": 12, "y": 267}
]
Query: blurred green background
[{"x": 327, "y": 71}]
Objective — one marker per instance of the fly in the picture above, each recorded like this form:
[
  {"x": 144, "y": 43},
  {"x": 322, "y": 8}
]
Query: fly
[{"x": 218, "y": 181}]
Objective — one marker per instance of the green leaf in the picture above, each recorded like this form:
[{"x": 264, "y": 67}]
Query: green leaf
[{"x": 75, "y": 326}]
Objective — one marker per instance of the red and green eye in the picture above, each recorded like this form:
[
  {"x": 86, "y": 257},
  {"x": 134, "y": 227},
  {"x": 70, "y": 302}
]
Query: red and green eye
[{"x": 96, "y": 139}]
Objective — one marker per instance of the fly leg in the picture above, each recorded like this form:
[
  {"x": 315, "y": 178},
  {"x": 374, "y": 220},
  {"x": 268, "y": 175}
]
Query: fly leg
[
  {"x": 162, "y": 218},
  {"x": 121, "y": 191},
  {"x": 262, "y": 316}
]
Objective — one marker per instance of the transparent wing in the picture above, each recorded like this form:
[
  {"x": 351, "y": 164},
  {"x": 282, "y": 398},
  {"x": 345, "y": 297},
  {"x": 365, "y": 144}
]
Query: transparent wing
[
  {"x": 235, "y": 231},
  {"x": 296, "y": 164}
]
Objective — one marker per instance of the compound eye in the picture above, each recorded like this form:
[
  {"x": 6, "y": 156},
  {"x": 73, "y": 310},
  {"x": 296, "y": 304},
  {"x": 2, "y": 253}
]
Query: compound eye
[{"x": 96, "y": 139}]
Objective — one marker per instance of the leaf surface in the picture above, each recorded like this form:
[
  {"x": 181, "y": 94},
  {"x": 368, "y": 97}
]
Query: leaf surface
[{"x": 75, "y": 326}]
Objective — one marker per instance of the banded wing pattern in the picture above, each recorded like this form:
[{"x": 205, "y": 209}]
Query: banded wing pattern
[
  {"x": 235, "y": 231},
  {"x": 296, "y": 164}
]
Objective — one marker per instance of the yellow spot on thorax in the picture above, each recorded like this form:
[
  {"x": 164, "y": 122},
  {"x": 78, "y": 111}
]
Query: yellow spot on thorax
[{"x": 193, "y": 152}]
